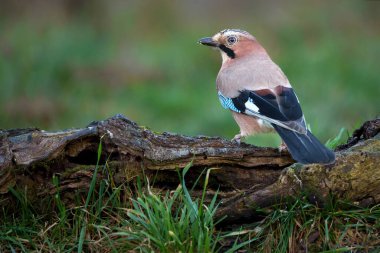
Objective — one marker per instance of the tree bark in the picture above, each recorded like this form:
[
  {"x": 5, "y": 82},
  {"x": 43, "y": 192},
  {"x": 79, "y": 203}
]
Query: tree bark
[{"x": 246, "y": 176}]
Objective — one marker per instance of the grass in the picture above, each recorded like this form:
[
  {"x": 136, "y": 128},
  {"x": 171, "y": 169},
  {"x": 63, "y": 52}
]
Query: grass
[
  {"x": 106, "y": 220},
  {"x": 303, "y": 226},
  {"x": 170, "y": 223},
  {"x": 341, "y": 138}
]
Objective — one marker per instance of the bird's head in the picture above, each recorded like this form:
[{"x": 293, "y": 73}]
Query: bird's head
[{"x": 233, "y": 43}]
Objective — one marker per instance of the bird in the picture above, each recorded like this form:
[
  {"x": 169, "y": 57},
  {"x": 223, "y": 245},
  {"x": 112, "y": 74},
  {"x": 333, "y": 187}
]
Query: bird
[{"x": 260, "y": 96}]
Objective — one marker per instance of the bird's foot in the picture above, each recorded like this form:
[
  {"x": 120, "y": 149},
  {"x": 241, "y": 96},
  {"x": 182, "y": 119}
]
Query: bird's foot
[
  {"x": 238, "y": 138},
  {"x": 283, "y": 147}
]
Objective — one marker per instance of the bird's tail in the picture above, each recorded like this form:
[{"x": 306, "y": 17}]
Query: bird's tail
[{"x": 305, "y": 148}]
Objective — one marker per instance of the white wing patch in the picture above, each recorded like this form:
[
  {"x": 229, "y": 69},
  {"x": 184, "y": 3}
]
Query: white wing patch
[{"x": 251, "y": 106}]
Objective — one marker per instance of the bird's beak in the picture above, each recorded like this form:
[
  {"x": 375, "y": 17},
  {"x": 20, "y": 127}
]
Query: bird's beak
[{"x": 208, "y": 41}]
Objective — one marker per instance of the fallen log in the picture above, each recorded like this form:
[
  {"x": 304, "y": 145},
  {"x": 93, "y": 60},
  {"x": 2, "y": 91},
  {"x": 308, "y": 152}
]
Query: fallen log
[{"x": 246, "y": 176}]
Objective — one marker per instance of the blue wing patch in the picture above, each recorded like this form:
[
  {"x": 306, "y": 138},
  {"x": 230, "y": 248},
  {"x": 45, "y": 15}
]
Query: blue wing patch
[{"x": 227, "y": 103}]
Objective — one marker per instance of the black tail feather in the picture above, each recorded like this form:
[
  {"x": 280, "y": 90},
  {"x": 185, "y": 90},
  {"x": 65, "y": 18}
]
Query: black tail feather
[{"x": 305, "y": 148}]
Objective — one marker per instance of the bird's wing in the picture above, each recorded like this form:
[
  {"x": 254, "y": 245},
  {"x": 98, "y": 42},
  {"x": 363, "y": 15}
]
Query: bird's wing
[{"x": 279, "y": 106}]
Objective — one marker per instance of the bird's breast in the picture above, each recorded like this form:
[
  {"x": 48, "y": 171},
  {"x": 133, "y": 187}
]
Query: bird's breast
[{"x": 249, "y": 74}]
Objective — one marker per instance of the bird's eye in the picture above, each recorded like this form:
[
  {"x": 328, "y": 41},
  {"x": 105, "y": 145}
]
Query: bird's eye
[{"x": 231, "y": 40}]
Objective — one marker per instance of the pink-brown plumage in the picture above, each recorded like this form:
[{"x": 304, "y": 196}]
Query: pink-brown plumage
[{"x": 250, "y": 125}]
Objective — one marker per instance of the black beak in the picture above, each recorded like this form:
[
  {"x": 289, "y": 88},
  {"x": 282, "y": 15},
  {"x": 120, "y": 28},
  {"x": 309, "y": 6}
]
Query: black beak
[{"x": 208, "y": 41}]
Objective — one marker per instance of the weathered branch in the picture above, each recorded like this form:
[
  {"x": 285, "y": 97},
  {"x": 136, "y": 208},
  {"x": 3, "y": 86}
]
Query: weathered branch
[
  {"x": 355, "y": 176},
  {"x": 247, "y": 176}
]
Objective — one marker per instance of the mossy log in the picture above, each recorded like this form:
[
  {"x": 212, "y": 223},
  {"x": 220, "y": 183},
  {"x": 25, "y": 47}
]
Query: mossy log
[{"x": 245, "y": 175}]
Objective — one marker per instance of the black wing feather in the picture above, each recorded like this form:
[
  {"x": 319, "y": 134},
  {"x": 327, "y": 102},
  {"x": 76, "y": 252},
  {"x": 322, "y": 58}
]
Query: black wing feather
[
  {"x": 280, "y": 104},
  {"x": 289, "y": 105}
]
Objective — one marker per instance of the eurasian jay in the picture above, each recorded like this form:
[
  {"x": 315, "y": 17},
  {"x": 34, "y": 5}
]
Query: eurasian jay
[{"x": 260, "y": 96}]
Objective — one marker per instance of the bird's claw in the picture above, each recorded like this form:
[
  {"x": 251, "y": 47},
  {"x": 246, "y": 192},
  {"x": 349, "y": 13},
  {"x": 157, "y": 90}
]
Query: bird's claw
[
  {"x": 282, "y": 148},
  {"x": 238, "y": 138}
]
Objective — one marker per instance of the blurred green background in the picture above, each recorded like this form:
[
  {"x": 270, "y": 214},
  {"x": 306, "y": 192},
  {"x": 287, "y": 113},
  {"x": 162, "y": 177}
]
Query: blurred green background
[{"x": 64, "y": 64}]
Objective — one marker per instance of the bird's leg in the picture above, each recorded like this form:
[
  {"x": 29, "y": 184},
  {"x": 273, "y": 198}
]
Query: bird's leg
[
  {"x": 282, "y": 147},
  {"x": 238, "y": 138}
]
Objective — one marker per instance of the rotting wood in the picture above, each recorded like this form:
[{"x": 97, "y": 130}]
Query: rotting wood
[{"x": 246, "y": 176}]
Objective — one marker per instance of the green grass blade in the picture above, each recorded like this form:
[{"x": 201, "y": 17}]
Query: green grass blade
[
  {"x": 339, "y": 139},
  {"x": 81, "y": 238}
]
